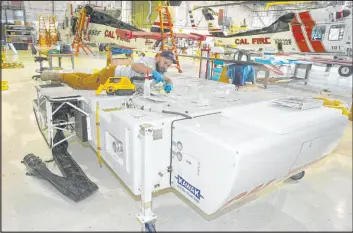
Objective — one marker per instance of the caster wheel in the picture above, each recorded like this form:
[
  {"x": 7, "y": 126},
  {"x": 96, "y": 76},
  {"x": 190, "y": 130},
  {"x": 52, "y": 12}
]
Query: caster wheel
[
  {"x": 298, "y": 176},
  {"x": 150, "y": 227},
  {"x": 345, "y": 71}
]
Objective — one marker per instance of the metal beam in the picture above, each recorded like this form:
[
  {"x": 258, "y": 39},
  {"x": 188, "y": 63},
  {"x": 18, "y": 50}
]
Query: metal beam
[
  {"x": 223, "y": 4},
  {"x": 286, "y": 9},
  {"x": 252, "y": 10},
  {"x": 248, "y": 8},
  {"x": 24, "y": 13}
]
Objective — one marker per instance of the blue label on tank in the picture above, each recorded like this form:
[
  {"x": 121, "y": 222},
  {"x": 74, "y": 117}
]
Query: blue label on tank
[{"x": 194, "y": 191}]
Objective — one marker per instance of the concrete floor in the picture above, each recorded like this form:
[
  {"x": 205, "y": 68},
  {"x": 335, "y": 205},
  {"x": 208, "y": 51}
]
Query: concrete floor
[{"x": 322, "y": 201}]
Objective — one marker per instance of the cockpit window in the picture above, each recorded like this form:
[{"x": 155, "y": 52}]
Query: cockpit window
[
  {"x": 318, "y": 33},
  {"x": 336, "y": 32}
]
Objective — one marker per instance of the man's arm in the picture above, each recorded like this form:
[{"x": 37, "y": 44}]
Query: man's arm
[{"x": 141, "y": 68}]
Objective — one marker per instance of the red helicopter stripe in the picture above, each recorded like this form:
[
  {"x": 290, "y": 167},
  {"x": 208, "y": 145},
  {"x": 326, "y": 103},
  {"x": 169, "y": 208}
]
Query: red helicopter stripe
[
  {"x": 298, "y": 36},
  {"x": 309, "y": 23}
]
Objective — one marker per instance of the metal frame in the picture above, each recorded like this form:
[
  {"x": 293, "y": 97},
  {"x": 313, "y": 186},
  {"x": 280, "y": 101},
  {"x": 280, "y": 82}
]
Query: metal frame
[
  {"x": 146, "y": 216},
  {"x": 60, "y": 56},
  {"x": 307, "y": 68},
  {"x": 50, "y": 126}
]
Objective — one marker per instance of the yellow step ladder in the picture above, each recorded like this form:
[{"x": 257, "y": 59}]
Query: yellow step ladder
[
  {"x": 52, "y": 31},
  {"x": 43, "y": 39}
]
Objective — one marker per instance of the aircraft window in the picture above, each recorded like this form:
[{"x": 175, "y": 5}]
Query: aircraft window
[
  {"x": 318, "y": 33},
  {"x": 336, "y": 32}
]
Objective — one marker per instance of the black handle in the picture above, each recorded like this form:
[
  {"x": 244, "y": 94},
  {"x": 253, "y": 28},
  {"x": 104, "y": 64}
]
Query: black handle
[{"x": 138, "y": 78}]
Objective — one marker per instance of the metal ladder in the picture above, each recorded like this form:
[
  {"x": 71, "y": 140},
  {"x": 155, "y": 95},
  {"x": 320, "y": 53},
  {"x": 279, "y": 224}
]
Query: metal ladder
[
  {"x": 43, "y": 32},
  {"x": 77, "y": 41},
  {"x": 52, "y": 31},
  {"x": 166, "y": 22}
]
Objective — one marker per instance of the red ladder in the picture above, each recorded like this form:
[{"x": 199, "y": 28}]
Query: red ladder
[
  {"x": 77, "y": 42},
  {"x": 166, "y": 22}
]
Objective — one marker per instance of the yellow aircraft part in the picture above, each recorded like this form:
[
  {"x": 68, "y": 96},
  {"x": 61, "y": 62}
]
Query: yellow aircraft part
[
  {"x": 337, "y": 104},
  {"x": 330, "y": 102},
  {"x": 283, "y": 3}
]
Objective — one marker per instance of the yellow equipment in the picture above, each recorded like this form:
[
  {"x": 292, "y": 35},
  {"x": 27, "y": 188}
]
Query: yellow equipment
[
  {"x": 117, "y": 86},
  {"x": 4, "y": 85},
  {"x": 7, "y": 65}
]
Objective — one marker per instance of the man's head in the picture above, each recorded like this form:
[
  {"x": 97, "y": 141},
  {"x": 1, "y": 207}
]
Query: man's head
[{"x": 164, "y": 61}]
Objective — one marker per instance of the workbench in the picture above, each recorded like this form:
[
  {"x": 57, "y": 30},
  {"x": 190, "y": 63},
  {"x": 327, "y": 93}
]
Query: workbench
[
  {"x": 41, "y": 51},
  {"x": 50, "y": 57},
  {"x": 303, "y": 65}
]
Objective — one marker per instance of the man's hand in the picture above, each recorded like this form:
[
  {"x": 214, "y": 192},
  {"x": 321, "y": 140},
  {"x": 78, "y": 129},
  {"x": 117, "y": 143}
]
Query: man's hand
[
  {"x": 168, "y": 87},
  {"x": 157, "y": 76},
  {"x": 168, "y": 84}
]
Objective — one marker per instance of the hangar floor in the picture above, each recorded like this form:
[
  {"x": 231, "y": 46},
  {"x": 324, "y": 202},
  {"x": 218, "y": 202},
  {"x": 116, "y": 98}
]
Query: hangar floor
[{"x": 322, "y": 201}]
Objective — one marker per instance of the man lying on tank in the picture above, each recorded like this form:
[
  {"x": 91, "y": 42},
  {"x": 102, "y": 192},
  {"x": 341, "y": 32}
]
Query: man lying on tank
[{"x": 155, "y": 66}]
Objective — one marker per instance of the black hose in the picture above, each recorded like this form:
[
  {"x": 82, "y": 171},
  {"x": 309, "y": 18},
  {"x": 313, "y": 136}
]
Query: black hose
[
  {"x": 177, "y": 113},
  {"x": 171, "y": 136}
]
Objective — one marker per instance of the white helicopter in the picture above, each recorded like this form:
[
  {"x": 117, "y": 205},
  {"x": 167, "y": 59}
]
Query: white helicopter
[
  {"x": 101, "y": 28},
  {"x": 326, "y": 32}
]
